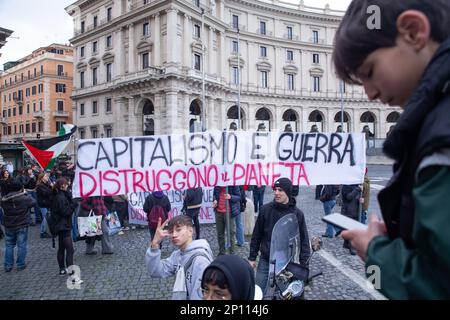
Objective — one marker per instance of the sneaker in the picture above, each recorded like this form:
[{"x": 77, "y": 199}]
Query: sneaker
[
  {"x": 8, "y": 269},
  {"x": 133, "y": 227},
  {"x": 126, "y": 228},
  {"x": 91, "y": 253},
  {"x": 62, "y": 272},
  {"x": 77, "y": 280},
  {"x": 121, "y": 233},
  {"x": 107, "y": 252},
  {"x": 21, "y": 268}
]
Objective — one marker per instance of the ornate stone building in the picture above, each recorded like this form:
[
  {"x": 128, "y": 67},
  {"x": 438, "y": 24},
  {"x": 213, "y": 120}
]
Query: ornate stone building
[{"x": 140, "y": 67}]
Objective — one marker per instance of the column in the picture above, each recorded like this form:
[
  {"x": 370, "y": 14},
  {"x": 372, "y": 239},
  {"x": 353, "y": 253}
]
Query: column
[
  {"x": 222, "y": 61},
  {"x": 210, "y": 113},
  {"x": 172, "y": 43},
  {"x": 119, "y": 109},
  {"x": 185, "y": 108},
  {"x": 222, "y": 10},
  {"x": 251, "y": 116},
  {"x": 278, "y": 121},
  {"x": 332, "y": 86},
  {"x": 187, "y": 36},
  {"x": 131, "y": 49},
  {"x": 132, "y": 118},
  {"x": 119, "y": 65},
  {"x": 278, "y": 68},
  {"x": 171, "y": 111},
  {"x": 251, "y": 67},
  {"x": 211, "y": 70},
  {"x": 157, "y": 41}
]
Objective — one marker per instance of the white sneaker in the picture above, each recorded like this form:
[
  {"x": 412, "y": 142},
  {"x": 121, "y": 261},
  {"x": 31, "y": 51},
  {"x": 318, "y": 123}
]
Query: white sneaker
[
  {"x": 133, "y": 227},
  {"x": 77, "y": 281},
  {"x": 121, "y": 233}
]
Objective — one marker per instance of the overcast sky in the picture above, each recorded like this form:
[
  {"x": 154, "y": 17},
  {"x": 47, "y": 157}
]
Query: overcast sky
[{"x": 38, "y": 23}]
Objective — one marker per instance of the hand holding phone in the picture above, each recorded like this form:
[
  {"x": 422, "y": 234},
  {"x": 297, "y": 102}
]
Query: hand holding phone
[{"x": 343, "y": 222}]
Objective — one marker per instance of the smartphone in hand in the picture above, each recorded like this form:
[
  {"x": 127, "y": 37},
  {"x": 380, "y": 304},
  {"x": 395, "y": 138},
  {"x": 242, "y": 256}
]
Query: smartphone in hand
[{"x": 343, "y": 222}]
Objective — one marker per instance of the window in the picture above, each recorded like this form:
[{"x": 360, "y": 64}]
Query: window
[
  {"x": 42, "y": 69},
  {"x": 82, "y": 26},
  {"x": 108, "y": 72},
  {"x": 61, "y": 87},
  {"x": 108, "y": 105},
  {"x": 263, "y": 51},
  {"x": 235, "y": 75},
  {"x": 316, "y": 84},
  {"x": 94, "y": 47},
  {"x": 60, "y": 106},
  {"x": 315, "y": 58},
  {"x": 40, "y": 88},
  {"x": 27, "y": 92},
  {"x": 108, "y": 41},
  {"x": 14, "y": 112},
  {"x": 94, "y": 76},
  {"x": 94, "y": 107},
  {"x": 9, "y": 129},
  {"x": 60, "y": 70},
  {"x": 197, "y": 62},
  {"x": 27, "y": 128},
  {"x": 40, "y": 126},
  {"x": 109, "y": 14},
  {"x": 21, "y": 128},
  {"x": 264, "y": 79},
  {"x": 315, "y": 36},
  {"x": 145, "y": 29},
  {"x": 59, "y": 125},
  {"x": 289, "y": 33},
  {"x": 290, "y": 78},
  {"x": 34, "y": 106},
  {"x": 109, "y": 132},
  {"x": 81, "y": 109},
  {"x": 28, "y": 108},
  {"x": 235, "y": 21},
  {"x": 196, "y": 31},
  {"x": 82, "y": 79},
  {"x": 145, "y": 60},
  {"x": 82, "y": 51},
  {"x": 234, "y": 46},
  {"x": 20, "y": 110},
  {"x": 262, "y": 27},
  {"x": 33, "y": 90},
  {"x": 290, "y": 55},
  {"x": 40, "y": 105},
  {"x": 82, "y": 134},
  {"x": 34, "y": 72},
  {"x": 94, "y": 133},
  {"x": 15, "y": 129},
  {"x": 33, "y": 127},
  {"x": 197, "y": 3},
  {"x": 4, "y": 113},
  {"x": 95, "y": 21}
]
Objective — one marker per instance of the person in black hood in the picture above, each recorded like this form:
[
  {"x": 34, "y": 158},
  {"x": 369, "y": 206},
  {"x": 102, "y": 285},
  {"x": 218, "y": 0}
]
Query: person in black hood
[
  {"x": 270, "y": 213},
  {"x": 229, "y": 277},
  {"x": 156, "y": 205}
]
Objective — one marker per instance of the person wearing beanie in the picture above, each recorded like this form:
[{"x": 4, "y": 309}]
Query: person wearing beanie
[
  {"x": 229, "y": 277},
  {"x": 283, "y": 203},
  {"x": 16, "y": 205},
  {"x": 156, "y": 205}
]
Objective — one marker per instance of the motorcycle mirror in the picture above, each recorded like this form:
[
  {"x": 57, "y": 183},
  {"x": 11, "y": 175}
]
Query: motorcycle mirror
[{"x": 316, "y": 243}]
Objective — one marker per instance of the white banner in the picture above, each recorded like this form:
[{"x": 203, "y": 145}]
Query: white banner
[
  {"x": 138, "y": 216},
  {"x": 114, "y": 166}
]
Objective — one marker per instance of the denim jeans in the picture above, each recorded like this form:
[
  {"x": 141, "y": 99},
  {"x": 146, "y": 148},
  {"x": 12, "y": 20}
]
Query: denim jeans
[
  {"x": 262, "y": 274},
  {"x": 327, "y": 207},
  {"x": 258, "y": 198},
  {"x": 44, "y": 212},
  {"x": 239, "y": 230},
  {"x": 16, "y": 237}
]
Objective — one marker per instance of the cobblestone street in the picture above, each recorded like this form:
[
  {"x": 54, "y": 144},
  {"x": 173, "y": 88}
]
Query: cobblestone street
[{"x": 123, "y": 275}]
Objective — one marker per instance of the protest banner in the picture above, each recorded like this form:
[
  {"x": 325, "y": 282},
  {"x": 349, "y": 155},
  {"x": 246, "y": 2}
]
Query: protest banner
[
  {"x": 136, "y": 202},
  {"x": 113, "y": 166}
]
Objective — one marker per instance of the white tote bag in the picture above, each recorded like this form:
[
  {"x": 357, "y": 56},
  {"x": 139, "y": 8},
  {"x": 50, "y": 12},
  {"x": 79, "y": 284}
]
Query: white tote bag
[{"x": 90, "y": 226}]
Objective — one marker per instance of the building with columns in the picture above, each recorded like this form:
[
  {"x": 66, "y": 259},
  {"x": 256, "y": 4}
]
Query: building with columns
[{"x": 143, "y": 67}]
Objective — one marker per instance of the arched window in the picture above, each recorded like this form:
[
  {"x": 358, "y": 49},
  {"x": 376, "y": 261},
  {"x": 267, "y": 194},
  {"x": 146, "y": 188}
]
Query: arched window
[
  {"x": 339, "y": 120},
  {"x": 195, "y": 114},
  {"x": 315, "y": 121},
  {"x": 263, "y": 119},
  {"x": 148, "y": 112},
  {"x": 393, "y": 117},
  {"x": 232, "y": 116},
  {"x": 290, "y": 118}
]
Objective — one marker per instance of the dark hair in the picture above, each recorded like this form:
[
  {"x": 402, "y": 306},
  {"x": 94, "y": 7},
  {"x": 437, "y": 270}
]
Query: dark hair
[
  {"x": 179, "y": 221},
  {"x": 354, "y": 41},
  {"x": 216, "y": 277},
  {"x": 59, "y": 183}
]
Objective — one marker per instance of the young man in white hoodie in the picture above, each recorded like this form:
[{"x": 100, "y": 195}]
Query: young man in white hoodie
[{"x": 192, "y": 255}]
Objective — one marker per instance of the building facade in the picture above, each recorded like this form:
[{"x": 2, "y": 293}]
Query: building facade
[
  {"x": 35, "y": 94},
  {"x": 144, "y": 67}
]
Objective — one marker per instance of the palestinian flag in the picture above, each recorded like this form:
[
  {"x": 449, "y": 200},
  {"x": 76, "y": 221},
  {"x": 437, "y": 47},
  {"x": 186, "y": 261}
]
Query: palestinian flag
[{"x": 45, "y": 151}]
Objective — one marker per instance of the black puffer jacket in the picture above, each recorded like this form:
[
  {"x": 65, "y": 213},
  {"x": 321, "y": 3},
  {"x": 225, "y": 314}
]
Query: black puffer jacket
[
  {"x": 350, "y": 201},
  {"x": 262, "y": 233},
  {"x": 44, "y": 195},
  {"x": 63, "y": 207},
  {"x": 16, "y": 206},
  {"x": 194, "y": 197}
]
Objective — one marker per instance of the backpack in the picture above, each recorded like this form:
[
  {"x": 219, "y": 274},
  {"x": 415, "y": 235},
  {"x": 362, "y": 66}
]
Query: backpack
[
  {"x": 156, "y": 213},
  {"x": 180, "y": 291}
]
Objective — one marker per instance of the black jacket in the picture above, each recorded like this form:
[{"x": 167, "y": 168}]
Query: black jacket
[
  {"x": 63, "y": 207},
  {"x": 16, "y": 206},
  {"x": 350, "y": 201},
  {"x": 153, "y": 200},
  {"x": 269, "y": 214},
  {"x": 328, "y": 193},
  {"x": 4, "y": 186},
  {"x": 44, "y": 195},
  {"x": 194, "y": 197}
]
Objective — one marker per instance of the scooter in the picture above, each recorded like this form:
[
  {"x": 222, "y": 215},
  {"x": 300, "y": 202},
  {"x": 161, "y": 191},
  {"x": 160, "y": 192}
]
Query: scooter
[{"x": 287, "y": 277}]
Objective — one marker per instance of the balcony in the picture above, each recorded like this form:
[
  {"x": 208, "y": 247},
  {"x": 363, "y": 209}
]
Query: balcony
[
  {"x": 139, "y": 76},
  {"x": 60, "y": 114},
  {"x": 18, "y": 100},
  {"x": 317, "y": 41},
  {"x": 264, "y": 32},
  {"x": 38, "y": 114},
  {"x": 4, "y": 120},
  {"x": 291, "y": 37},
  {"x": 236, "y": 26}
]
